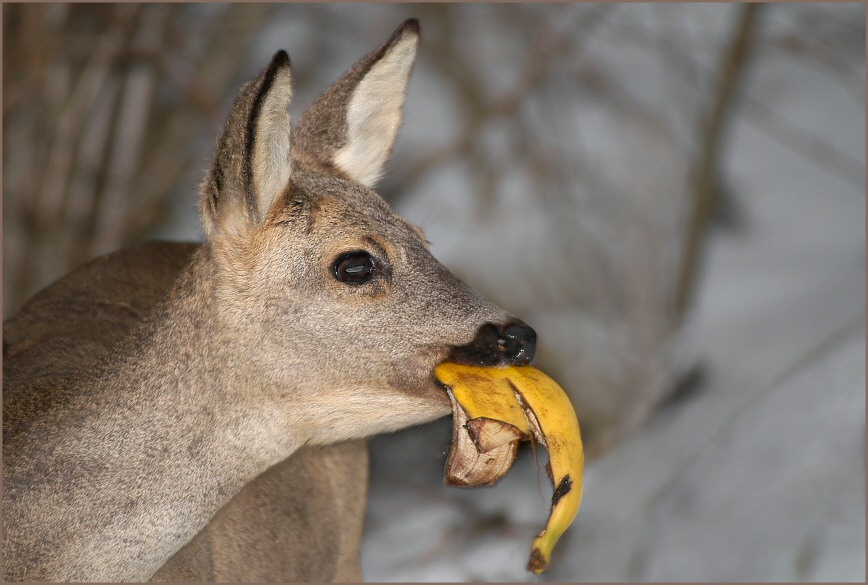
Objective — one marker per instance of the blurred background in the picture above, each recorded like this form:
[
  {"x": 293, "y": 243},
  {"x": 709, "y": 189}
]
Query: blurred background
[{"x": 673, "y": 196}]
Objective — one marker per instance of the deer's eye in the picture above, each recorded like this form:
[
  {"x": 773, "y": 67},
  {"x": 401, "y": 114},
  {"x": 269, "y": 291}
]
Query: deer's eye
[{"x": 355, "y": 267}]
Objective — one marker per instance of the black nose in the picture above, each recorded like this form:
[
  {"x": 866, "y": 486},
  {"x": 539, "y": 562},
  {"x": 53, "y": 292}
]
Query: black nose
[
  {"x": 518, "y": 344},
  {"x": 514, "y": 344}
]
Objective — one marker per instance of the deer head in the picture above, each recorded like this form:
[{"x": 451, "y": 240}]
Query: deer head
[{"x": 324, "y": 287}]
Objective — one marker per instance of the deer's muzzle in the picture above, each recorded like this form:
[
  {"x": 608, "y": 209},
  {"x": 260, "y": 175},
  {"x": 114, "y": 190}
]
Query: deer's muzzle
[{"x": 514, "y": 344}]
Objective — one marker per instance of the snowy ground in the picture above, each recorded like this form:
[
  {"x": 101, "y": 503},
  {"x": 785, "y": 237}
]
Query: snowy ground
[{"x": 758, "y": 472}]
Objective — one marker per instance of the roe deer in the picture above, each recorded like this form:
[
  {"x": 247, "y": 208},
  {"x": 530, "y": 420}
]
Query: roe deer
[{"x": 204, "y": 444}]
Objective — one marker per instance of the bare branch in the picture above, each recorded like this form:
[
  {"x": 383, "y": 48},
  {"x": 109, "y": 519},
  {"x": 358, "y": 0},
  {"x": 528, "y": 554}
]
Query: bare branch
[{"x": 732, "y": 67}]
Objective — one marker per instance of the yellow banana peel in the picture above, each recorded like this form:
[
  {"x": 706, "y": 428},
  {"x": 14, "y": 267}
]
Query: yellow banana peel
[{"x": 495, "y": 408}]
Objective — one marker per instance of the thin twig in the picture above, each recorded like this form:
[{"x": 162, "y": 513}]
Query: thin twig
[{"x": 705, "y": 178}]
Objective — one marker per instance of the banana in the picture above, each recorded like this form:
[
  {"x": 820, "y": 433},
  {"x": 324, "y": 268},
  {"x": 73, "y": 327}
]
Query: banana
[
  {"x": 497, "y": 407},
  {"x": 483, "y": 457}
]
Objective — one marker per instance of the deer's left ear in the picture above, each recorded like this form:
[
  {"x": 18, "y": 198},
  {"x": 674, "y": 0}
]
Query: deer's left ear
[{"x": 351, "y": 128}]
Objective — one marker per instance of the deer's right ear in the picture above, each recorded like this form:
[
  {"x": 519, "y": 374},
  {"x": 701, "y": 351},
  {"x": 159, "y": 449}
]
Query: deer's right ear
[
  {"x": 252, "y": 164},
  {"x": 351, "y": 128}
]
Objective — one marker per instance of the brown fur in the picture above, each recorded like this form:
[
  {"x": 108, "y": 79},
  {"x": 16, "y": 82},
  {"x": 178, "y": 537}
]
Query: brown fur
[
  {"x": 268, "y": 530},
  {"x": 256, "y": 352}
]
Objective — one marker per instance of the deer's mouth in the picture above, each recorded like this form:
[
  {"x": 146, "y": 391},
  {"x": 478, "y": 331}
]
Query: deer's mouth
[{"x": 511, "y": 344}]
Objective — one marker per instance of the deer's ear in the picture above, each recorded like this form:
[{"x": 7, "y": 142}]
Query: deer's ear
[
  {"x": 351, "y": 128},
  {"x": 252, "y": 165}
]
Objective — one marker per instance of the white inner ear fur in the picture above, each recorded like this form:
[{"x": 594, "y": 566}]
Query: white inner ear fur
[
  {"x": 374, "y": 114},
  {"x": 271, "y": 161}
]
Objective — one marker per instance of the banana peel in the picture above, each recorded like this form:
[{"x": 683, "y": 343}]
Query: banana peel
[{"x": 494, "y": 409}]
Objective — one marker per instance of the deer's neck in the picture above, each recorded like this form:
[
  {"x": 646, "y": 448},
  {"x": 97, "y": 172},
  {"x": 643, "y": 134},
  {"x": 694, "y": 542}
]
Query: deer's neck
[{"x": 149, "y": 449}]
